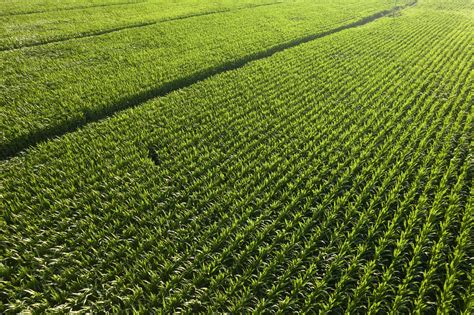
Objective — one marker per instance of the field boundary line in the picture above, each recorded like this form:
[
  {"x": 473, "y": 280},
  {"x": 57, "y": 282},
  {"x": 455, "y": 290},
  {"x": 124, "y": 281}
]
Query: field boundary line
[
  {"x": 17, "y": 145},
  {"x": 131, "y": 26}
]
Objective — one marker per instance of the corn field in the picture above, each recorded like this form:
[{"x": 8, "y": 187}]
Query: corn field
[{"x": 237, "y": 157}]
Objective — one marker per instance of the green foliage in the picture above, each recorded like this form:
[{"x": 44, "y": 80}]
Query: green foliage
[
  {"x": 332, "y": 177},
  {"x": 53, "y": 88},
  {"x": 53, "y": 23}
]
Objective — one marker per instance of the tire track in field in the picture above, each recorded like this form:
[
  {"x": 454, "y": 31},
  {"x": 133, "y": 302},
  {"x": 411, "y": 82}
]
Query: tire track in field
[
  {"x": 13, "y": 148},
  {"x": 130, "y": 26},
  {"x": 70, "y": 8}
]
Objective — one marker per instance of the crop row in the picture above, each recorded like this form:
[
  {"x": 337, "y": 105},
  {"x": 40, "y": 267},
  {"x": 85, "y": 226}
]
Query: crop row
[
  {"x": 48, "y": 90},
  {"x": 17, "y": 7},
  {"x": 458, "y": 5},
  {"x": 18, "y": 31},
  {"x": 179, "y": 278},
  {"x": 335, "y": 176}
]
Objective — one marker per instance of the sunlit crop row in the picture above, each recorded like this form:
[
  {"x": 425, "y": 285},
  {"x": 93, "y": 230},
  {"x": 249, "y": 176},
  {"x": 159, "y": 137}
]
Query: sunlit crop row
[
  {"x": 335, "y": 176},
  {"x": 56, "y": 21},
  {"x": 51, "y": 89}
]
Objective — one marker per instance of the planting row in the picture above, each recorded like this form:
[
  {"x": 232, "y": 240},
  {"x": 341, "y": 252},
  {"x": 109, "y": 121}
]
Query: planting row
[
  {"x": 18, "y": 31},
  {"x": 335, "y": 176},
  {"x": 16, "y": 7},
  {"x": 47, "y": 90},
  {"x": 459, "y": 5}
]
